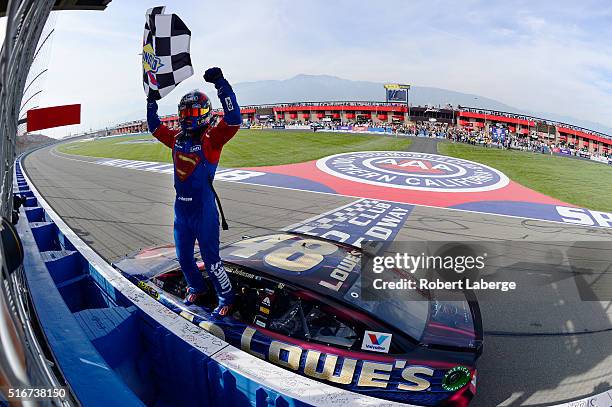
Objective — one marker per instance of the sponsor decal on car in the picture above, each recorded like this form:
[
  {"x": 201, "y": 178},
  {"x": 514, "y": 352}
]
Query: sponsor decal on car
[
  {"x": 456, "y": 378},
  {"x": 356, "y": 373},
  {"x": 392, "y": 375},
  {"x": 376, "y": 341},
  {"x": 148, "y": 289}
]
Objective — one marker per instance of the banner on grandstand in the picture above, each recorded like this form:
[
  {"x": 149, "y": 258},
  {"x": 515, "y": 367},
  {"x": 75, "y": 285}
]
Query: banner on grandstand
[
  {"x": 397, "y": 92},
  {"x": 599, "y": 158},
  {"x": 297, "y": 127},
  {"x": 166, "y": 61},
  {"x": 380, "y": 130}
]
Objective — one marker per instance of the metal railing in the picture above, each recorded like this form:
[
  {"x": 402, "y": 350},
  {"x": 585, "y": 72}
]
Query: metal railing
[
  {"x": 25, "y": 22},
  {"x": 23, "y": 363}
]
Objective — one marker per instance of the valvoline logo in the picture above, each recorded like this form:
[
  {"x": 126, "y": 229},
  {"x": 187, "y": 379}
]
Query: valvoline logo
[
  {"x": 376, "y": 341},
  {"x": 416, "y": 171}
]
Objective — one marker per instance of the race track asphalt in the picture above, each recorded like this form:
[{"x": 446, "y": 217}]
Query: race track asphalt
[{"x": 542, "y": 347}]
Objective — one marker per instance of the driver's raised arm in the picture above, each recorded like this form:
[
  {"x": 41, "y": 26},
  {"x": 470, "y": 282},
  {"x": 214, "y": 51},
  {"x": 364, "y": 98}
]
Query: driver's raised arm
[{"x": 230, "y": 124}]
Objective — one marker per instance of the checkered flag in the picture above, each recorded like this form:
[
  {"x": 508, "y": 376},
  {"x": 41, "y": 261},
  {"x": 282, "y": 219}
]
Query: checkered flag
[{"x": 165, "y": 53}]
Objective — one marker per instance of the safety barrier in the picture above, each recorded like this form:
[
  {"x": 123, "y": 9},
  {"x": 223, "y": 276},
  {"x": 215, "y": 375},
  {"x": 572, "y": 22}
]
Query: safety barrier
[{"x": 115, "y": 345}]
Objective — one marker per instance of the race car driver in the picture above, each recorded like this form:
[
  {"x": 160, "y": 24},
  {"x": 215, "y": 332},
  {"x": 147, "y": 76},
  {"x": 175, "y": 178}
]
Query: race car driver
[{"x": 196, "y": 149}]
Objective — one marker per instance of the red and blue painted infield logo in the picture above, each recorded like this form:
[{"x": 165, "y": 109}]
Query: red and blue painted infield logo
[
  {"x": 414, "y": 171},
  {"x": 405, "y": 178}
]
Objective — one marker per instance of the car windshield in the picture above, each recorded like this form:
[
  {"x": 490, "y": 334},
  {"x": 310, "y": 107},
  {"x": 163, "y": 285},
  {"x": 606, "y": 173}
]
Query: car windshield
[{"x": 408, "y": 315}]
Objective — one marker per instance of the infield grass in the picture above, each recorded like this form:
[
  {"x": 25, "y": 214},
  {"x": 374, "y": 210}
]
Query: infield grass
[
  {"x": 580, "y": 182},
  {"x": 249, "y": 148}
]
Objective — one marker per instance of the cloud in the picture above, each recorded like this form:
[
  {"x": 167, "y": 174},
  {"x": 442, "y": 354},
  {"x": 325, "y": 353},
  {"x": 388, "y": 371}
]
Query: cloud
[{"x": 543, "y": 56}]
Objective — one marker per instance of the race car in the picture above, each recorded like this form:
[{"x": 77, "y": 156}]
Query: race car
[{"x": 299, "y": 306}]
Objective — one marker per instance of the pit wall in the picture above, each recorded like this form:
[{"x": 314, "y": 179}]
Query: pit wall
[{"x": 115, "y": 345}]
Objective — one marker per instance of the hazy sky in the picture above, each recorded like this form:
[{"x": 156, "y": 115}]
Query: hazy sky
[{"x": 553, "y": 56}]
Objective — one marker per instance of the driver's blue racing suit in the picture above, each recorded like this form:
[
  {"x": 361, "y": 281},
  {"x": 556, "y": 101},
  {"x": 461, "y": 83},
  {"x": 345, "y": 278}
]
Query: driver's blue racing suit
[{"x": 195, "y": 160}]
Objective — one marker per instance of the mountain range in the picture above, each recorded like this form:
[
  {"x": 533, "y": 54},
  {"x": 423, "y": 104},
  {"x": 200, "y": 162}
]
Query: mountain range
[{"x": 318, "y": 88}]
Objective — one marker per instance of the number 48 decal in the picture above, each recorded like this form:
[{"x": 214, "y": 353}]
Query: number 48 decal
[{"x": 298, "y": 256}]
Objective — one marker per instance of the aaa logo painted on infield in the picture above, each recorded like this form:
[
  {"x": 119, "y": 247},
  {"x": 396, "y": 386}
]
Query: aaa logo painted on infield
[{"x": 416, "y": 171}]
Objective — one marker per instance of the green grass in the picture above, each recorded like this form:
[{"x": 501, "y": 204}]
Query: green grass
[
  {"x": 583, "y": 183},
  {"x": 249, "y": 148},
  {"x": 579, "y": 182},
  {"x": 114, "y": 148}
]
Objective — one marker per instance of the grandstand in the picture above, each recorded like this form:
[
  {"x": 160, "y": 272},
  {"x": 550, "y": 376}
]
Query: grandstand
[{"x": 395, "y": 114}]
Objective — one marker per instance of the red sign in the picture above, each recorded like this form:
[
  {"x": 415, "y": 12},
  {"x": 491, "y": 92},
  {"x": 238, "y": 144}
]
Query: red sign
[{"x": 55, "y": 116}]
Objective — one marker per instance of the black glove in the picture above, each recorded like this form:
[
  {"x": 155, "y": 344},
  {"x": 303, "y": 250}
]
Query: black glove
[{"x": 213, "y": 75}]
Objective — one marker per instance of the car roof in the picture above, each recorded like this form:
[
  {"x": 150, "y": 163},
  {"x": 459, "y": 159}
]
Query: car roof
[
  {"x": 257, "y": 254},
  {"x": 303, "y": 266}
]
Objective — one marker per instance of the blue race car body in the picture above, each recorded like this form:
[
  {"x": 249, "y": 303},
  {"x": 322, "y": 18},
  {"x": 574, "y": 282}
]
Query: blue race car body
[{"x": 298, "y": 306}]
